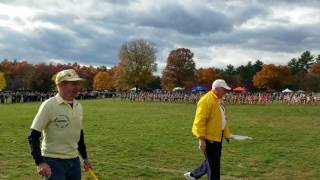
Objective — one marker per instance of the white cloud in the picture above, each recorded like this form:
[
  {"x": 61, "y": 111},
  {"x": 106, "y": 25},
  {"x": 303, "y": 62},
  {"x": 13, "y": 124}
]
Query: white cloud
[
  {"x": 220, "y": 57},
  {"x": 298, "y": 15}
]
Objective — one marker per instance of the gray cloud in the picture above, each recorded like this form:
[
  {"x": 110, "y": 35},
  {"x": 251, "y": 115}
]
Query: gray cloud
[
  {"x": 94, "y": 34},
  {"x": 242, "y": 15},
  {"x": 177, "y": 18}
]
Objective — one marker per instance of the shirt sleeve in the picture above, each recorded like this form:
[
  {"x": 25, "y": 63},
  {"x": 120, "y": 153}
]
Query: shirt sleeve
[
  {"x": 201, "y": 118},
  {"x": 42, "y": 118},
  {"x": 82, "y": 146},
  {"x": 34, "y": 145}
]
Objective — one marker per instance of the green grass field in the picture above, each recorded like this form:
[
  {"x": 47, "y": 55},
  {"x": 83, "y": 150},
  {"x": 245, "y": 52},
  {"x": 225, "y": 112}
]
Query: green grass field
[{"x": 134, "y": 140}]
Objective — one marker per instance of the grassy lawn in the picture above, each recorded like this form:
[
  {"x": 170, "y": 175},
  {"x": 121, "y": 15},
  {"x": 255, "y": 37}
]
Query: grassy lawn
[{"x": 132, "y": 140}]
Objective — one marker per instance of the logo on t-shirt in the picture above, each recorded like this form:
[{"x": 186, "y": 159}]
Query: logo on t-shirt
[{"x": 61, "y": 121}]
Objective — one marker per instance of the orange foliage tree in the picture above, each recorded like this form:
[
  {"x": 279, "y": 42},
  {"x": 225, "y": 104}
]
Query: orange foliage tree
[
  {"x": 206, "y": 75},
  {"x": 100, "y": 81},
  {"x": 104, "y": 80},
  {"x": 311, "y": 81},
  {"x": 180, "y": 69},
  {"x": 18, "y": 74},
  {"x": 88, "y": 73},
  {"x": 273, "y": 77},
  {"x": 316, "y": 68}
]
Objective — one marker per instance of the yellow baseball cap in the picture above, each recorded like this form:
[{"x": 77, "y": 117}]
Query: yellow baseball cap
[{"x": 67, "y": 75}]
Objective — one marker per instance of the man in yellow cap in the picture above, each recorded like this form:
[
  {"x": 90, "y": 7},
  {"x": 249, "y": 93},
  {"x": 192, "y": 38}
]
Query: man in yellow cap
[
  {"x": 60, "y": 120},
  {"x": 210, "y": 126}
]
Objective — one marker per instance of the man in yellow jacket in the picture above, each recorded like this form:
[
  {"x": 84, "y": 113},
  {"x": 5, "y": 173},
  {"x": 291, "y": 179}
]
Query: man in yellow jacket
[{"x": 210, "y": 126}]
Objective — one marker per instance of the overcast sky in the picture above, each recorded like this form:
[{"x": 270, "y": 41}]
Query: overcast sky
[{"x": 219, "y": 32}]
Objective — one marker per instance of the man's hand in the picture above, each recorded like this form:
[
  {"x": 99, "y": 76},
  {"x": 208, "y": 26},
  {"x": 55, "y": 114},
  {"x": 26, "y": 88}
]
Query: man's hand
[
  {"x": 44, "y": 169},
  {"x": 87, "y": 164},
  {"x": 202, "y": 144}
]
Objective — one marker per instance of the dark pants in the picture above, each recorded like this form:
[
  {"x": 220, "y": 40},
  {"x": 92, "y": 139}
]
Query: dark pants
[
  {"x": 64, "y": 169},
  {"x": 211, "y": 165}
]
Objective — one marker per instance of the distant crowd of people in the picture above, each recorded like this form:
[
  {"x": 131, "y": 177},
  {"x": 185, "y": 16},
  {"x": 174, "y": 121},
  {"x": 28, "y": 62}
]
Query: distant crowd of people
[
  {"x": 229, "y": 98},
  {"x": 160, "y": 96},
  {"x": 167, "y": 96},
  {"x": 8, "y": 97},
  {"x": 23, "y": 97},
  {"x": 270, "y": 98}
]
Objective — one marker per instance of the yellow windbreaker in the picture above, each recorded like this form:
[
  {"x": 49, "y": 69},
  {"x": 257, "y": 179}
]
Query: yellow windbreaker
[{"x": 207, "y": 121}]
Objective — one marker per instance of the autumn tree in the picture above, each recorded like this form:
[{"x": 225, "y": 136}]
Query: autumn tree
[
  {"x": 316, "y": 68},
  {"x": 180, "y": 69},
  {"x": 100, "y": 81},
  {"x": 7, "y": 67},
  {"x": 18, "y": 74},
  {"x": 137, "y": 63},
  {"x": 88, "y": 73},
  {"x": 272, "y": 77},
  {"x": 311, "y": 81},
  {"x": 41, "y": 78},
  {"x": 104, "y": 80},
  {"x": 206, "y": 75},
  {"x": 112, "y": 78},
  {"x": 3, "y": 82}
]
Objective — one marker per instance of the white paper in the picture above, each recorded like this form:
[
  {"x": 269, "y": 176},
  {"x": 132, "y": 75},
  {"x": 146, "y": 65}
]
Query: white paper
[{"x": 240, "y": 137}]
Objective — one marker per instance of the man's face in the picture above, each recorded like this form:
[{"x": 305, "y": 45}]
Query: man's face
[
  {"x": 220, "y": 92},
  {"x": 69, "y": 89}
]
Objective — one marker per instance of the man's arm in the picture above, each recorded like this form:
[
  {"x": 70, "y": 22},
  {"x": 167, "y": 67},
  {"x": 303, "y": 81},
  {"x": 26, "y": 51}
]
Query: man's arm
[
  {"x": 82, "y": 146},
  {"x": 83, "y": 152},
  {"x": 201, "y": 117},
  {"x": 34, "y": 145}
]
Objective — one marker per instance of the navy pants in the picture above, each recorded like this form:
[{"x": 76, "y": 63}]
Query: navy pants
[
  {"x": 211, "y": 165},
  {"x": 64, "y": 169}
]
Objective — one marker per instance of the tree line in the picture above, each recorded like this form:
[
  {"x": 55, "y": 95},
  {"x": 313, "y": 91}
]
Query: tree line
[{"x": 137, "y": 64}]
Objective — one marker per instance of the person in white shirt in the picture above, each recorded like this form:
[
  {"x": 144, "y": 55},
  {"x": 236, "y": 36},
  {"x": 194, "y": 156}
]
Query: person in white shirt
[{"x": 59, "y": 119}]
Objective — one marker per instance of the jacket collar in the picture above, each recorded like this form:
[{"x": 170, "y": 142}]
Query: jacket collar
[{"x": 213, "y": 94}]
